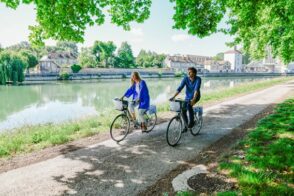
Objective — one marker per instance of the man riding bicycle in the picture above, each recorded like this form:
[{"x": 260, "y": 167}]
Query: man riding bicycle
[{"x": 192, "y": 82}]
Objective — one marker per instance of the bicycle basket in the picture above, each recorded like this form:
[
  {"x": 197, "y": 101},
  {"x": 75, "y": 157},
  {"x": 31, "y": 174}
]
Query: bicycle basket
[
  {"x": 151, "y": 110},
  {"x": 175, "y": 106},
  {"x": 198, "y": 110},
  {"x": 119, "y": 104}
]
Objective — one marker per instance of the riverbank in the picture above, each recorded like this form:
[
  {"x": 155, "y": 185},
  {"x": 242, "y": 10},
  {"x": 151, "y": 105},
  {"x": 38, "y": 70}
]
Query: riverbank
[
  {"x": 98, "y": 74},
  {"x": 34, "y": 138}
]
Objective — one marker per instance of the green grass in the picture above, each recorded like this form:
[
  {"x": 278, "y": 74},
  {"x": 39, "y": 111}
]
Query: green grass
[
  {"x": 28, "y": 139},
  {"x": 268, "y": 166}
]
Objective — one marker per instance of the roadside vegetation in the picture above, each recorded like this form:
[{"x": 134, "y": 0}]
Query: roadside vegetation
[
  {"x": 264, "y": 164},
  {"x": 32, "y": 138}
]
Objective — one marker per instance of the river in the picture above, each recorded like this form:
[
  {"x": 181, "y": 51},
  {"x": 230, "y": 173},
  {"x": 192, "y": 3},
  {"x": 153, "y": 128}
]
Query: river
[{"x": 63, "y": 101}]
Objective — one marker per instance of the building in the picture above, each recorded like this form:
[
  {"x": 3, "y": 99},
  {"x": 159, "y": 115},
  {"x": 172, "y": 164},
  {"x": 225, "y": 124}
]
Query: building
[
  {"x": 257, "y": 67},
  {"x": 268, "y": 64},
  {"x": 290, "y": 67},
  {"x": 53, "y": 62},
  {"x": 182, "y": 62},
  {"x": 217, "y": 66},
  {"x": 235, "y": 59}
]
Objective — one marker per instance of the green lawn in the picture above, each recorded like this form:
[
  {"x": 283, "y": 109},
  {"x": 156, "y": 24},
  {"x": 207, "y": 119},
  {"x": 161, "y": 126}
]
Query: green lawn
[
  {"x": 267, "y": 167},
  {"x": 28, "y": 139}
]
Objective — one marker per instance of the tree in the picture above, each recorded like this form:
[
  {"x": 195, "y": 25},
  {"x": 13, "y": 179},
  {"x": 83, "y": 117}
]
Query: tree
[
  {"x": 104, "y": 52},
  {"x": 30, "y": 59},
  {"x": 125, "y": 58},
  {"x": 86, "y": 58},
  {"x": 11, "y": 67},
  {"x": 254, "y": 24},
  {"x": 149, "y": 59},
  {"x": 67, "y": 46},
  {"x": 219, "y": 56}
]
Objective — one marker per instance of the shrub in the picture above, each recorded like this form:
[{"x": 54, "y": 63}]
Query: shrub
[
  {"x": 64, "y": 76},
  {"x": 76, "y": 68}
]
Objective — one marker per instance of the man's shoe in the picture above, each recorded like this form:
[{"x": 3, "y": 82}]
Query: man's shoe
[
  {"x": 191, "y": 125},
  {"x": 184, "y": 130}
]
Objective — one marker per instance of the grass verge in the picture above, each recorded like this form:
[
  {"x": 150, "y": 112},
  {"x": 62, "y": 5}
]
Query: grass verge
[
  {"x": 264, "y": 164},
  {"x": 33, "y": 138}
]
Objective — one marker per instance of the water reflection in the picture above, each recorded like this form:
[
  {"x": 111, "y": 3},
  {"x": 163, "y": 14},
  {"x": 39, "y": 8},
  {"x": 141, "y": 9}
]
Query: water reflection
[{"x": 57, "y": 102}]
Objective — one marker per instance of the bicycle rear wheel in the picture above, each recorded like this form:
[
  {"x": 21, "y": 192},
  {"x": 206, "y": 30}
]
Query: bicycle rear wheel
[
  {"x": 151, "y": 121},
  {"x": 174, "y": 131},
  {"x": 120, "y": 127},
  {"x": 197, "y": 126}
]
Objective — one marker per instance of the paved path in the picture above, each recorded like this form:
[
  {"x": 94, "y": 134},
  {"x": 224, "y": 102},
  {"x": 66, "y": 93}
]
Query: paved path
[{"x": 111, "y": 169}]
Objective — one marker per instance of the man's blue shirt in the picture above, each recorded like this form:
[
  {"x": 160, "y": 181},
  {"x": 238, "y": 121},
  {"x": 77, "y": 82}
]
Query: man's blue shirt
[{"x": 191, "y": 87}]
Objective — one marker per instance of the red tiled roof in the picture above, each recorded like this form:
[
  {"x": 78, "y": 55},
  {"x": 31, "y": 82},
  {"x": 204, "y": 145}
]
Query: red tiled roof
[{"x": 233, "y": 52}]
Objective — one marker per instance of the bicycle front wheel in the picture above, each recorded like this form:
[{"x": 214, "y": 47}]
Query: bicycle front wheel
[
  {"x": 151, "y": 121},
  {"x": 120, "y": 127},
  {"x": 174, "y": 131},
  {"x": 197, "y": 126}
]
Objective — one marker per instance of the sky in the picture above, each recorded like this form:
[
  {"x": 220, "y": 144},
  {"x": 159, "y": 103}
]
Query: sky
[{"x": 155, "y": 34}]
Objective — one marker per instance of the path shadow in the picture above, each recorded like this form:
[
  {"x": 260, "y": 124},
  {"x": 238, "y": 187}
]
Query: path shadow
[{"x": 127, "y": 168}]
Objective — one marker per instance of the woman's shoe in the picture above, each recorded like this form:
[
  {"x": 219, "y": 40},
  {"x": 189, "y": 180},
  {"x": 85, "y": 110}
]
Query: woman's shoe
[{"x": 143, "y": 128}]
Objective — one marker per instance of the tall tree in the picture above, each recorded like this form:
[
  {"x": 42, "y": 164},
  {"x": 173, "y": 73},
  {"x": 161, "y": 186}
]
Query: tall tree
[
  {"x": 29, "y": 58},
  {"x": 86, "y": 58},
  {"x": 219, "y": 56},
  {"x": 149, "y": 59},
  {"x": 67, "y": 46},
  {"x": 11, "y": 67},
  {"x": 254, "y": 24},
  {"x": 125, "y": 58},
  {"x": 103, "y": 52}
]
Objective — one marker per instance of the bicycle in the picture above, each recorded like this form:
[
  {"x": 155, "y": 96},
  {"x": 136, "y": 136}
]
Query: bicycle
[
  {"x": 175, "y": 126},
  {"x": 121, "y": 125}
]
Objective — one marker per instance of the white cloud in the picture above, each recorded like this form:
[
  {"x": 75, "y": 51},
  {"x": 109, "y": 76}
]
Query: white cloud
[
  {"x": 136, "y": 40},
  {"x": 137, "y": 32},
  {"x": 180, "y": 37}
]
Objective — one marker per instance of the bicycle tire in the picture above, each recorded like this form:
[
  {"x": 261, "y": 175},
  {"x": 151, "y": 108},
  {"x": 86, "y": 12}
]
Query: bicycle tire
[
  {"x": 119, "y": 134},
  {"x": 197, "y": 126},
  {"x": 178, "y": 130},
  {"x": 151, "y": 126}
]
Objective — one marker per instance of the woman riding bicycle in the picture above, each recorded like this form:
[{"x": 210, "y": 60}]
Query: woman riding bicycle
[{"x": 141, "y": 98}]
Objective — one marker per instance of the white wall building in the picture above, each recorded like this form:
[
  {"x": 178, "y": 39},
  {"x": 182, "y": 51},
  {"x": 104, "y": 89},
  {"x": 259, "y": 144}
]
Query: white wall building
[
  {"x": 235, "y": 58},
  {"x": 53, "y": 62},
  {"x": 217, "y": 66},
  {"x": 182, "y": 62}
]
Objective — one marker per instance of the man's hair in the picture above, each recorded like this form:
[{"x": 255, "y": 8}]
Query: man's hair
[{"x": 193, "y": 69}]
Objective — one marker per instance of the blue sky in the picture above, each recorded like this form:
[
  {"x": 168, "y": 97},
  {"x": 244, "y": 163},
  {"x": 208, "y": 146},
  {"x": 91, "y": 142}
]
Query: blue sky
[{"x": 155, "y": 34}]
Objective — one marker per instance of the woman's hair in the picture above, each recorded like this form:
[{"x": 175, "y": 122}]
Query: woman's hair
[{"x": 136, "y": 75}]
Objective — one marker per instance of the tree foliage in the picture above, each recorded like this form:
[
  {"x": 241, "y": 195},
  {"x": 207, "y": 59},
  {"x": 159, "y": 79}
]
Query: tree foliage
[
  {"x": 11, "y": 67},
  {"x": 149, "y": 59},
  {"x": 104, "y": 52},
  {"x": 219, "y": 56},
  {"x": 125, "y": 58},
  {"x": 254, "y": 24},
  {"x": 86, "y": 58},
  {"x": 67, "y": 46}
]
